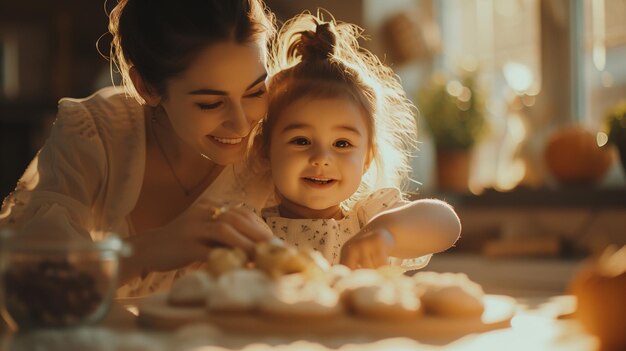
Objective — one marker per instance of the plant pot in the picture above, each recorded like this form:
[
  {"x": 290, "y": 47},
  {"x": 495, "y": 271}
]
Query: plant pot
[{"x": 453, "y": 168}]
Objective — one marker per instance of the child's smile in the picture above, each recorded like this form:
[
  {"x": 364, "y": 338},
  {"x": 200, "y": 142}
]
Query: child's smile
[{"x": 319, "y": 182}]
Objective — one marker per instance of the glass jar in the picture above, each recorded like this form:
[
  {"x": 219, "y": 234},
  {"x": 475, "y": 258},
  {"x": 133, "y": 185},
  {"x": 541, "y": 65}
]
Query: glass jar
[{"x": 57, "y": 283}]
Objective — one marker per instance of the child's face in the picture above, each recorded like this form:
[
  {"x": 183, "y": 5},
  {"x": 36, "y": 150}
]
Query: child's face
[{"x": 318, "y": 153}]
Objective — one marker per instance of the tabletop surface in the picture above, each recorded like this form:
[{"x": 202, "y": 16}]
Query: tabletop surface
[{"x": 537, "y": 325}]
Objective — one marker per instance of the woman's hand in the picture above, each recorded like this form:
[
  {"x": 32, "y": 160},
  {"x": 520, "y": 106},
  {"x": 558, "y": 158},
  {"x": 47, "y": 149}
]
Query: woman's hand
[
  {"x": 370, "y": 248},
  {"x": 189, "y": 237}
]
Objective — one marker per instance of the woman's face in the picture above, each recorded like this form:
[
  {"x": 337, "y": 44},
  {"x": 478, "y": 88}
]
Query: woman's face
[{"x": 216, "y": 102}]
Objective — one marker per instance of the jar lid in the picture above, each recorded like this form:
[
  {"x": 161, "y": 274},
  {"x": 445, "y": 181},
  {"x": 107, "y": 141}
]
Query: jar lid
[{"x": 12, "y": 241}]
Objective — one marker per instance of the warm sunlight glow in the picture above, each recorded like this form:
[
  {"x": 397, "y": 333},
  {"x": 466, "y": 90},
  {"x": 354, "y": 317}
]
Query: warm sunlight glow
[
  {"x": 132, "y": 309},
  {"x": 507, "y": 8},
  {"x": 602, "y": 138},
  {"x": 528, "y": 100},
  {"x": 465, "y": 95},
  {"x": 510, "y": 176},
  {"x": 454, "y": 87},
  {"x": 469, "y": 63},
  {"x": 463, "y": 105},
  {"x": 516, "y": 127},
  {"x": 599, "y": 35},
  {"x": 475, "y": 188},
  {"x": 541, "y": 327},
  {"x": 496, "y": 307},
  {"x": 534, "y": 89},
  {"x": 518, "y": 76}
]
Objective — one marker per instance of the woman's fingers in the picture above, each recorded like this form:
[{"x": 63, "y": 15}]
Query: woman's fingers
[
  {"x": 246, "y": 223},
  {"x": 226, "y": 234}
]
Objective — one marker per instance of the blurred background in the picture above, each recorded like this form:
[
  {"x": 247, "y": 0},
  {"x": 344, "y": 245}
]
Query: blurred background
[{"x": 522, "y": 122}]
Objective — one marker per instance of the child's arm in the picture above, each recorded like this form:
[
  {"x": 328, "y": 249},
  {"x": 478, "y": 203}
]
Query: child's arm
[{"x": 419, "y": 228}]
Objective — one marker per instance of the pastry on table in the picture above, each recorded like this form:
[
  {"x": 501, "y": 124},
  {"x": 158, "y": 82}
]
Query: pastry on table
[
  {"x": 449, "y": 294},
  {"x": 238, "y": 290},
  {"x": 191, "y": 289},
  {"x": 357, "y": 279},
  {"x": 335, "y": 273},
  {"x": 224, "y": 259},
  {"x": 277, "y": 260},
  {"x": 295, "y": 296},
  {"x": 386, "y": 301}
]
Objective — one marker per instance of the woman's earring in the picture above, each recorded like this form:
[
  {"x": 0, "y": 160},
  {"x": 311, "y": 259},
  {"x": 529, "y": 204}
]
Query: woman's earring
[{"x": 156, "y": 112}]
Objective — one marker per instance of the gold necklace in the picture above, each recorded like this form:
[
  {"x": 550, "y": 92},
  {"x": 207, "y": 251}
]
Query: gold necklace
[{"x": 186, "y": 191}]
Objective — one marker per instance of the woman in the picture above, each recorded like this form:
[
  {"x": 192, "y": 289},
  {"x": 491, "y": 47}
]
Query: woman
[{"x": 159, "y": 168}]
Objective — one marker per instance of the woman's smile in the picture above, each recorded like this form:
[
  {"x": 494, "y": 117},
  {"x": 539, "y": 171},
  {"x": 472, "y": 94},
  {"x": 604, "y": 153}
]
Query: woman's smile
[
  {"x": 230, "y": 141},
  {"x": 227, "y": 143}
]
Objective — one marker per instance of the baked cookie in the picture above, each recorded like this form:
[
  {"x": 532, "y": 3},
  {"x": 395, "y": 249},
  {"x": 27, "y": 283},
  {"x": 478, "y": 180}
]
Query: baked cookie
[
  {"x": 336, "y": 273},
  {"x": 449, "y": 294},
  {"x": 277, "y": 260},
  {"x": 223, "y": 259},
  {"x": 386, "y": 301},
  {"x": 191, "y": 289},
  {"x": 238, "y": 290},
  {"x": 357, "y": 279},
  {"x": 297, "y": 297}
]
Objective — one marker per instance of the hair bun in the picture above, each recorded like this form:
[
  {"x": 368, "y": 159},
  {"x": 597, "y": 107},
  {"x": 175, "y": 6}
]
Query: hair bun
[{"x": 318, "y": 45}]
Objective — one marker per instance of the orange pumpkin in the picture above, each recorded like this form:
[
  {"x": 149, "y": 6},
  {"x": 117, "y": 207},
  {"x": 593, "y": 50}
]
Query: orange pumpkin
[
  {"x": 573, "y": 157},
  {"x": 601, "y": 299}
]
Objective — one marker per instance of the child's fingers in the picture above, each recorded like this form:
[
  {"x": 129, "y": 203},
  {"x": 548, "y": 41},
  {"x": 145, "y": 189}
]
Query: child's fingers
[
  {"x": 379, "y": 258},
  {"x": 367, "y": 261},
  {"x": 349, "y": 258}
]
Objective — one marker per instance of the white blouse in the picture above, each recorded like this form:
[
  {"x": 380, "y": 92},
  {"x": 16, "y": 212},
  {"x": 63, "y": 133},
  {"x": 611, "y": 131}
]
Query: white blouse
[
  {"x": 329, "y": 235},
  {"x": 86, "y": 179}
]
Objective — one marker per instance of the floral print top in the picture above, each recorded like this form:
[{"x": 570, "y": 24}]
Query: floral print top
[{"x": 329, "y": 235}]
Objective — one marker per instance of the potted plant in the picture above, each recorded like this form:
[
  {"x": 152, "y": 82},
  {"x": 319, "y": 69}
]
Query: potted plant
[
  {"x": 455, "y": 112},
  {"x": 615, "y": 125}
]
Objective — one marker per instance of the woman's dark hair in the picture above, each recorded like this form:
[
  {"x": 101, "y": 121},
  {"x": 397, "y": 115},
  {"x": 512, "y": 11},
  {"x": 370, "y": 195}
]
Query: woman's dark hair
[{"x": 160, "y": 38}]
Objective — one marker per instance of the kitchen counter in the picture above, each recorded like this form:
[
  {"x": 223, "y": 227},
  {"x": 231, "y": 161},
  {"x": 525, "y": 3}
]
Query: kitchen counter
[
  {"x": 535, "y": 326},
  {"x": 514, "y": 276}
]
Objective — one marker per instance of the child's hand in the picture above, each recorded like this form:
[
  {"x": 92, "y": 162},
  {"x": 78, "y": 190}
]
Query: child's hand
[{"x": 370, "y": 248}]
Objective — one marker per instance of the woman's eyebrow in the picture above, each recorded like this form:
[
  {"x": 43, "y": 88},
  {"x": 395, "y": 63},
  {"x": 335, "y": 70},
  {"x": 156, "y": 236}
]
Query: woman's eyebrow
[
  {"x": 206, "y": 91},
  {"x": 257, "y": 81}
]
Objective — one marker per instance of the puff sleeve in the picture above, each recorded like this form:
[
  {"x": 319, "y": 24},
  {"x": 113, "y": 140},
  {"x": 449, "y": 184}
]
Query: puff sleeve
[{"x": 56, "y": 194}]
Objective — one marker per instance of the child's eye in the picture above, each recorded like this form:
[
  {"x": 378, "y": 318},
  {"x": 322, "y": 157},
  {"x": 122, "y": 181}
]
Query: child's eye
[
  {"x": 300, "y": 141},
  {"x": 258, "y": 93},
  {"x": 342, "y": 144},
  {"x": 210, "y": 106}
]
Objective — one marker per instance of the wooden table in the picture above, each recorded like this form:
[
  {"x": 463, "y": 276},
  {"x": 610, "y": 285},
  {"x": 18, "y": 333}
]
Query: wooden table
[{"x": 535, "y": 326}]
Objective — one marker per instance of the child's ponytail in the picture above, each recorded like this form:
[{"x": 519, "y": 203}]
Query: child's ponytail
[{"x": 314, "y": 45}]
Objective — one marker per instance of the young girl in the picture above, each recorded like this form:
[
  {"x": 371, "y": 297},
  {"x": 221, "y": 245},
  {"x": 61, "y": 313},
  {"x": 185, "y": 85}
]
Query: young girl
[{"x": 337, "y": 140}]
